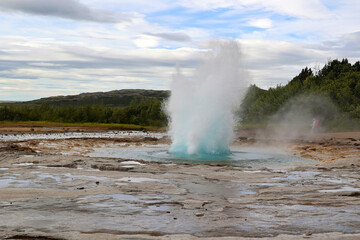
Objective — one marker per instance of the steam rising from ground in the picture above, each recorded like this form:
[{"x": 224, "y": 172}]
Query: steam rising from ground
[
  {"x": 303, "y": 116},
  {"x": 201, "y": 108}
]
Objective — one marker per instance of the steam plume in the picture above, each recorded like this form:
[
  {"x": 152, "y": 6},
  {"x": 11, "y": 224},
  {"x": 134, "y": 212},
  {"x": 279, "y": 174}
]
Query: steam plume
[{"x": 201, "y": 108}]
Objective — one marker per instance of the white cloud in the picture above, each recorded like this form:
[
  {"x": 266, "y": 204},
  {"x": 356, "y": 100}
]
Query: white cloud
[
  {"x": 296, "y": 8},
  {"x": 172, "y": 36},
  {"x": 261, "y": 23},
  {"x": 52, "y": 56},
  {"x": 143, "y": 6},
  {"x": 71, "y": 9},
  {"x": 273, "y": 62},
  {"x": 146, "y": 41},
  {"x": 45, "y": 64},
  {"x": 50, "y": 67}
]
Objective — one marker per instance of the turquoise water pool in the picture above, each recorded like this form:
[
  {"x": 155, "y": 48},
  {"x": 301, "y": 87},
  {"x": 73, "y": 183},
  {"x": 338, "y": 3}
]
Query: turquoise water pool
[{"x": 251, "y": 157}]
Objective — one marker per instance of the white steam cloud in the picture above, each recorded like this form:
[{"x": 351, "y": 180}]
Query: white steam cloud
[{"x": 201, "y": 108}]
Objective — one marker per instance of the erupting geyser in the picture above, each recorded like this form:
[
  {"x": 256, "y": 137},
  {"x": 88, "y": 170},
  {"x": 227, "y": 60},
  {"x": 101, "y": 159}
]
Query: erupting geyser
[{"x": 201, "y": 108}]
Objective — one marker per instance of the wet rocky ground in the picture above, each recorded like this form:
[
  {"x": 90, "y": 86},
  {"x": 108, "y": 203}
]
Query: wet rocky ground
[{"x": 51, "y": 189}]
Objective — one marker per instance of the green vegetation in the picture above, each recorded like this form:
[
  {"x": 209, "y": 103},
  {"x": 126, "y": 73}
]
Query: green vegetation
[
  {"x": 338, "y": 81},
  {"x": 336, "y": 87},
  {"x": 87, "y": 125},
  {"x": 144, "y": 112}
]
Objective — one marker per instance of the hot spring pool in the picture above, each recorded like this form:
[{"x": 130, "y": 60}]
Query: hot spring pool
[{"x": 251, "y": 157}]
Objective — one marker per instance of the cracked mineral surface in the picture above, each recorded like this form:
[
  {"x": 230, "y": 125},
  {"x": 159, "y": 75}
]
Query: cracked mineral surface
[{"x": 53, "y": 186}]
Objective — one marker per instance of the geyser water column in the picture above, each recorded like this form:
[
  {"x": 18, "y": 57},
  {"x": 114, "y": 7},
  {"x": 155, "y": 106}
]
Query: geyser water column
[{"x": 201, "y": 108}]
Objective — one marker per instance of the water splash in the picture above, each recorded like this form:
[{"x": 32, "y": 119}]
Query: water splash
[{"x": 201, "y": 108}]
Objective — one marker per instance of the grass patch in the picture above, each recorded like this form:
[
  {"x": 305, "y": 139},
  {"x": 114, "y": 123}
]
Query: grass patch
[
  {"x": 247, "y": 125},
  {"x": 86, "y": 125}
]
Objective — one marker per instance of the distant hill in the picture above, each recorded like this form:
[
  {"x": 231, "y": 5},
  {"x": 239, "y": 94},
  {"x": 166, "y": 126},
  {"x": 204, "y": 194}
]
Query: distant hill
[{"x": 116, "y": 98}]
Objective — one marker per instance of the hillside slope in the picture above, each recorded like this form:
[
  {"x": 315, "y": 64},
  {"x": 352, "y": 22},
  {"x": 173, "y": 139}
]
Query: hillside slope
[{"x": 115, "y": 98}]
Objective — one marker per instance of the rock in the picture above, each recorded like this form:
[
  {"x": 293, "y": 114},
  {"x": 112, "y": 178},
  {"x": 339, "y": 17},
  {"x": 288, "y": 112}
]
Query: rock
[
  {"x": 194, "y": 204},
  {"x": 198, "y": 214}
]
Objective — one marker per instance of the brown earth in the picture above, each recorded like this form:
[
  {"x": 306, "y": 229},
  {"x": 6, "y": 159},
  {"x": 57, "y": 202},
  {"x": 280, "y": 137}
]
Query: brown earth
[{"x": 332, "y": 147}]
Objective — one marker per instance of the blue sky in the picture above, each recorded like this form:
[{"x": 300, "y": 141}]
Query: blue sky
[{"x": 51, "y": 47}]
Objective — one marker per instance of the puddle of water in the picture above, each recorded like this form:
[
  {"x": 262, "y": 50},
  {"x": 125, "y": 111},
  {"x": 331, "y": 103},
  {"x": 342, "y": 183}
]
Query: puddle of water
[
  {"x": 39, "y": 180},
  {"x": 117, "y": 196},
  {"x": 246, "y": 192},
  {"x": 268, "y": 184},
  {"x": 5, "y": 183},
  {"x": 12, "y": 182},
  {"x": 46, "y": 167},
  {"x": 255, "y": 171},
  {"x": 294, "y": 176},
  {"x": 23, "y": 164},
  {"x": 337, "y": 179},
  {"x": 71, "y": 177},
  {"x": 43, "y": 176},
  {"x": 139, "y": 199},
  {"x": 132, "y": 163},
  {"x": 342, "y": 189},
  {"x": 138, "y": 180}
]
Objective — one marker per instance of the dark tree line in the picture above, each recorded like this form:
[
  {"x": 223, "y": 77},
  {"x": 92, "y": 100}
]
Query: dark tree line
[
  {"x": 146, "y": 112},
  {"x": 337, "y": 80}
]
